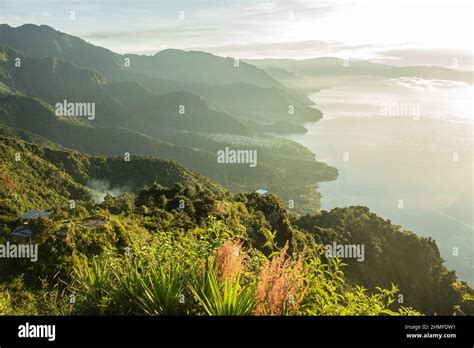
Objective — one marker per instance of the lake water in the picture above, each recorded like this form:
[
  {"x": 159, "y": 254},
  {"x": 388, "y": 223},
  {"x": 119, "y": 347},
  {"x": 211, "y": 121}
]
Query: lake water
[{"x": 416, "y": 171}]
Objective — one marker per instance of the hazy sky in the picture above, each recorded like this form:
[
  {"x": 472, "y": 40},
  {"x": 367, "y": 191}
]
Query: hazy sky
[{"x": 399, "y": 32}]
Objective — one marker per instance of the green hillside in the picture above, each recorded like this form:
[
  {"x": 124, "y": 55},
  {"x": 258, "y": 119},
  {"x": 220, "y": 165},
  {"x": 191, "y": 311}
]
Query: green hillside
[
  {"x": 195, "y": 151},
  {"x": 223, "y": 253},
  {"x": 44, "y": 177}
]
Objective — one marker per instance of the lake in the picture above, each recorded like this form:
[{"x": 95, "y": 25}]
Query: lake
[{"x": 415, "y": 170}]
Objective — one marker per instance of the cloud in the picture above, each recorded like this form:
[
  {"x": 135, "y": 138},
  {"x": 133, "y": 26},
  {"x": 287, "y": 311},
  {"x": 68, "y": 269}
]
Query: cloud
[
  {"x": 292, "y": 49},
  {"x": 450, "y": 58},
  {"x": 262, "y": 6},
  {"x": 171, "y": 31},
  {"x": 430, "y": 84},
  {"x": 280, "y": 10},
  {"x": 266, "y": 28}
]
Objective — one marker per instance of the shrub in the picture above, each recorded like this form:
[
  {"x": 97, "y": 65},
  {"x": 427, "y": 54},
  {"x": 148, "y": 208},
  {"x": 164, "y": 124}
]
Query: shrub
[{"x": 281, "y": 286}]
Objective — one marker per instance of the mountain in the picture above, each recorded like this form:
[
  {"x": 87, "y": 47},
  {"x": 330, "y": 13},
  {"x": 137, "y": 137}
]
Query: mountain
[
  {"x": 150, "y": 113},
  {"x": 255, "y": 105},
  {"x": 311, "y": 75},
  {"x": 44, "y": 41},
  {"x": 199, "y": 67},
  {"x": 195, "y": 151},
  {"x": 328, "y": 66},
  {"x": 168, "y": 71},
  {"x": 27, "y": 136},
  {"x": 133, "y": 118},
  {"x": 33, "y": 115},
  {"x": 54, "y": 81}
]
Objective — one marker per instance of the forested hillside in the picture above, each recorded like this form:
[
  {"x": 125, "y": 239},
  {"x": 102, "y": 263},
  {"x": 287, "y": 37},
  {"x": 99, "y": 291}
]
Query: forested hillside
[{"x": 176, "y": 244}]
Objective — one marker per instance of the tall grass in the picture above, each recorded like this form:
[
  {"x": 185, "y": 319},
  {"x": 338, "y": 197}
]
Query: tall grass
[
  {"x": 122, "y": 286},
  {"x": 225, "y": 297},
  {"x": 227, "y": 283},
  {"x": 93, "y": 285},
  {"x": 142, "y": 288}
]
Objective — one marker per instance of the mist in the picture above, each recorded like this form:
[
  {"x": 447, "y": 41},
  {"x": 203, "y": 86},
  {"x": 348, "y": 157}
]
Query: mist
[{"x": 103, "y": 187}]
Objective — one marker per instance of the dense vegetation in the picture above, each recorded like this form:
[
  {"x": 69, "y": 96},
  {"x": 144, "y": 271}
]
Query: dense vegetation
[
  {"x": 189, "y": 247},
  {"x": 132, "y": 231}
]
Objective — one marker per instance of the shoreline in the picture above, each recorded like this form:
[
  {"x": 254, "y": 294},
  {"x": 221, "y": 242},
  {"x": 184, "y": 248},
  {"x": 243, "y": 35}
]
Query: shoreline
[{"x": 374, "y": 177}]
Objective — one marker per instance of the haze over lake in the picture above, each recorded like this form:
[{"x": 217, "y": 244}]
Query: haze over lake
[{"x": 414, "y": 169}]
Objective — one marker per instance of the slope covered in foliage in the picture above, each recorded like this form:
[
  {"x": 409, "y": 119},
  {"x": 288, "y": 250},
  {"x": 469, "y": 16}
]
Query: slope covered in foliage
[
  {"x": 34, "y": 176},
  {"x": 181, "y": 245}
]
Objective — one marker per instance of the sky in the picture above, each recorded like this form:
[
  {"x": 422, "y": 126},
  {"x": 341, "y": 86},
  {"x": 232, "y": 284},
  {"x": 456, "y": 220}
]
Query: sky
[{"x": 398, "y": 32}]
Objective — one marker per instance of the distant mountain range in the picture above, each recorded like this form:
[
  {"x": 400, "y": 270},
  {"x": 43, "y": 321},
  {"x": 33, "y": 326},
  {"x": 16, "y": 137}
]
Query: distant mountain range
[
  {"x": 176, "y": 105},
  {"x": 171, "y": 71},
  {"x": 311, "y": 75},
  {"x": 173, "y": 105},
  {"x": 336, "y": 67}
]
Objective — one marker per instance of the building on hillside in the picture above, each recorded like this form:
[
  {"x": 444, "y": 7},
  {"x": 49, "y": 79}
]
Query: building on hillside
[
  {"x": 21, "y": 232},
  {"x": 34, "y": 214}
]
